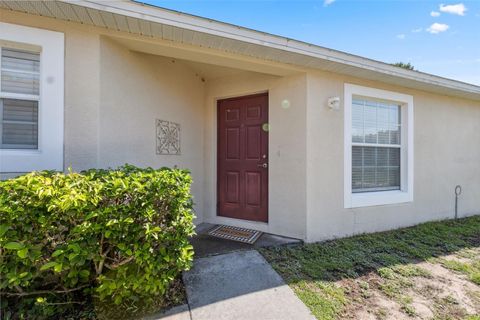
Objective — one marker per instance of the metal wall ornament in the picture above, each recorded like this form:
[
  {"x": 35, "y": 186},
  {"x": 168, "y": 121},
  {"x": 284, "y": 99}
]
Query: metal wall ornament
[{"x": 168, "y": 137}]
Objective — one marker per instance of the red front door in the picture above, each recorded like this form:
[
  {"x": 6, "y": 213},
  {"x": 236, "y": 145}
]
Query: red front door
[{"x": 242, "y": 158}]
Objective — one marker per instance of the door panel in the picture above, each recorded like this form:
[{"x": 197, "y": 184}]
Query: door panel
[
  {"x": 253, "y": 188},
  {"x": 233, "y": 144},
  {"x": 242, "y": 158},
  {"x": 232, "y": 188},
  {"x": 253, "y": 143}
]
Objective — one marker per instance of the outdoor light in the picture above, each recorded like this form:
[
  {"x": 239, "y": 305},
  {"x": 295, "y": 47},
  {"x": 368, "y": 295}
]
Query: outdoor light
[
  {"x": 285, "y": 104},
  {"x": 334, "y": 103}
]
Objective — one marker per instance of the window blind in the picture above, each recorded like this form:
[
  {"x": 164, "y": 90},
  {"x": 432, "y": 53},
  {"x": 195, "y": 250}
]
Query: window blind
[
  {"x": 20, "y": 74},
  {"x": 376, "y": 145},
  {"x": 19, "y": 124}
]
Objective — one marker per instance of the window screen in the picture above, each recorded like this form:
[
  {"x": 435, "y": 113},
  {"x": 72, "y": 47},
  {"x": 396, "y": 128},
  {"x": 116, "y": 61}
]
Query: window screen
[
  {"x": 376, "y": 145},
  {"x": 20, "y": 88}
]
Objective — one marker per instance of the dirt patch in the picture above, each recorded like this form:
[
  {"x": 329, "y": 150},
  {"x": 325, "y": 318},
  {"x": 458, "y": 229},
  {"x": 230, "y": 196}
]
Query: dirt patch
[
  {"x": 451, "y": 286},
  {"x": 443, "y": 294},
  {"x": 378, "y": 306}
]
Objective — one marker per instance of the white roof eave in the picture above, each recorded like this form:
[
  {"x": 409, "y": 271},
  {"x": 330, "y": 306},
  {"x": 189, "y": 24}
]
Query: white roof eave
[
  {"x": 213, "y": 27},
  {"x": 266, "y": 46}
]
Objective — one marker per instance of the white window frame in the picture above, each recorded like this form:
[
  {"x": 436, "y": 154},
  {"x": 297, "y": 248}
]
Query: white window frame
[
  {"x": 16, "y": 96},
  {"x": 376, "y": 198},
  {"x": 50, "y": 45}
]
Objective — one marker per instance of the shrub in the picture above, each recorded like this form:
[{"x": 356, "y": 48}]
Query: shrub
[{"x": 121, "y": 234}]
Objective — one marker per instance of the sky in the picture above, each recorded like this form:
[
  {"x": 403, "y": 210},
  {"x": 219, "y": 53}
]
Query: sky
[{"x": 437, "y": 37}]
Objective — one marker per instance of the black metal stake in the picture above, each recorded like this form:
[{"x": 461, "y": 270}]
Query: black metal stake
[{"x": 458, "y": 191}]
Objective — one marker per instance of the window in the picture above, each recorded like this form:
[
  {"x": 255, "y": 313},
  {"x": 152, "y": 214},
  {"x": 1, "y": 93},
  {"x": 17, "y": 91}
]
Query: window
[
  {"x": 378, "y": 147},
  {"x": 19, "y": 96},
  {"x": 31, "y": 99}
]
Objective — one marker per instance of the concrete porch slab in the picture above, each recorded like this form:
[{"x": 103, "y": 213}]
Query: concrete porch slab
[
  {"x": 205, "y": 245},
  {"x": 240, "y": 285}
]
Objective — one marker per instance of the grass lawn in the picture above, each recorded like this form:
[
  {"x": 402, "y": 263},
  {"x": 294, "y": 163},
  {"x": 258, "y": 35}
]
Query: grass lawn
[{"x": 430, "y": 271}]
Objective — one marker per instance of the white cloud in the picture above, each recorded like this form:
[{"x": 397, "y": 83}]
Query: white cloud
[
  {"x": 400, "y": 36},
  {"x": 458, "y": 9},
  {"x": 435, "y": 14},
  {"x": 417, "y": 30},
  {"x": 438, "y": 27},
  {"x": 328, "y": 2}
]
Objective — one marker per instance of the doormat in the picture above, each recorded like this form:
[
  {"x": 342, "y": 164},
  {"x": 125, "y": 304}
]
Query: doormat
[{"x": 235, "y": 234}]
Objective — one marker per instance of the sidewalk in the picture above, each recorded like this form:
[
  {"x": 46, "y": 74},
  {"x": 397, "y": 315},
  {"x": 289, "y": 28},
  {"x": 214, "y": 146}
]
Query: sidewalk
[{"x": 239, "y": 285}]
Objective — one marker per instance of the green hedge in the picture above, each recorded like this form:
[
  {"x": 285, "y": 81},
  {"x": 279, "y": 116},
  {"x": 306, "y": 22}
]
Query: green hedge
[{"x": 118, "y": 234}]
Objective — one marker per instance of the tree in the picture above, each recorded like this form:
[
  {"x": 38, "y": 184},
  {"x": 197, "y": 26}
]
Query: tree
[{"x": 404, "y": 65}]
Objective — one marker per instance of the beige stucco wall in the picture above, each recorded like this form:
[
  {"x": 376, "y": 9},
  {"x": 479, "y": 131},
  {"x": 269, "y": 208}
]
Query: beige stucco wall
[
  {"x": 446, "y": 154},
  {"x": 82, "y": 86},
  {"x": 135, "y": 90},
  {"x": 113, "y": 96}
]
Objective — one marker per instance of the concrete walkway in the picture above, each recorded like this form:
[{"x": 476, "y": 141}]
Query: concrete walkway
[{"x": 239, "y": 285}]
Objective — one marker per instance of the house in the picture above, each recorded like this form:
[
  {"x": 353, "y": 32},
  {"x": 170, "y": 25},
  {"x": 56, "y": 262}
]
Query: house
[{"x": 281, "y": 136}]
